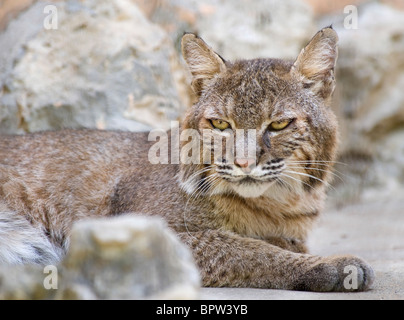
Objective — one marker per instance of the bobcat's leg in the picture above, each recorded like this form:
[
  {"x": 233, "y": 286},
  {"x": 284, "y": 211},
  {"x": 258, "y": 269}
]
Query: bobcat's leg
[
  {"x": 22, "y": 243},
  {"x": 294, "y": 245},
  {"x": 226, "y": 259}
]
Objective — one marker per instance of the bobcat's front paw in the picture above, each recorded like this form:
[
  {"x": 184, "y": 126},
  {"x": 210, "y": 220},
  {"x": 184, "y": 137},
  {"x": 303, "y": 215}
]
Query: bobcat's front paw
[{"x": 337, "y": 273}]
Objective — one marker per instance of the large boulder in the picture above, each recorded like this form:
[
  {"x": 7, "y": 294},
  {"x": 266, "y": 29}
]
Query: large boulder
[{"x": 104, "y": 66}]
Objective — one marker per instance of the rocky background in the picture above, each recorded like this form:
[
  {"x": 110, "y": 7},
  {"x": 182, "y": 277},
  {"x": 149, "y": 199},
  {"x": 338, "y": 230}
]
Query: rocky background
[{"x": 117, "y": 65}]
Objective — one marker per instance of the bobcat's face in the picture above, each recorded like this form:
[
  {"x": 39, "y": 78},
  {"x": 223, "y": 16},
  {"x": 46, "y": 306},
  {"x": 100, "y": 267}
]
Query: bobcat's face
[{"x": 263, "y": 124}]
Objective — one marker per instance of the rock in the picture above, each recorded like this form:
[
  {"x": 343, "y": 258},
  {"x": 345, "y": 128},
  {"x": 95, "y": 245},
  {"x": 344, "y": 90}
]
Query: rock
[
  {"x": 104, "y": 60},
  {"x": 10, "y": 9},
  {"x": 238, "y": 29},
  {"x": 23, "y": 283},
  {"x": 370, "y": 78},
  {"x": 127, "y": 258},
  {"x": 106, "y": 66},
  {"x": 251, "y": 29}
]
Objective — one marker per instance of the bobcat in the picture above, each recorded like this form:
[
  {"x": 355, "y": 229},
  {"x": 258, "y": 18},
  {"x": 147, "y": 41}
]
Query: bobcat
[{"x": 245, "y": 218}]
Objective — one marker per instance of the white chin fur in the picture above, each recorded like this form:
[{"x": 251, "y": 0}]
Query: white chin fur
[{"x": 251, "y": 190}]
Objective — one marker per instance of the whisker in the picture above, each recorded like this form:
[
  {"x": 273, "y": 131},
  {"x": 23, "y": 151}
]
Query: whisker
[
  {"x": 196, "y": 173},
  {"x": 332, "y": 171},
  {"x": 311, "y": 176},
  {"x": 209, "y": 181},
  {"x": 305, "y": 174},
  {"x": 217, "y": 185},
  {"x": 200, "y": 186},
  {"x": 195, "y": 194},
  {"x": 283, "y": 182},
  {"x": 200, "y": 171},
  {"x": 316, "y": 161},
  {"x": 293, "y": 178},
  {"x": 310, "y": 163},
  {"x": 204, "y": 186},
  {"x": 318, "y": 169}
]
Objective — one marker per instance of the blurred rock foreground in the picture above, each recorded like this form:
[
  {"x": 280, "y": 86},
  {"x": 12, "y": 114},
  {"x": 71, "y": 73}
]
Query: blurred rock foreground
[
  {"x": 120, "y": 258},
  {"x": 117, "y": 65}
]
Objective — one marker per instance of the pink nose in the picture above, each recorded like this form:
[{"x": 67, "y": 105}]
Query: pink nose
[{"x": 245, "y": 163}]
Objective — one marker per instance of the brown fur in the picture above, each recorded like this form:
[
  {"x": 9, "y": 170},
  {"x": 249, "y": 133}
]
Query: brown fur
[{"x": 52, "y": 179}]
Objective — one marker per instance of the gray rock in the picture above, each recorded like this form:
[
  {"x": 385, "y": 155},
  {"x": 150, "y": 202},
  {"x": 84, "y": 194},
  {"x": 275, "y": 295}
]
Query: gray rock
[
  {"x": 23, "y": 283},
  {"x": 251, "y": 29},
  {"x": 127, "y": 258},
  {"x": 105, "y": 66},
  {"x": 371, "y": 103},
  {"x": 238, "y": 29}
]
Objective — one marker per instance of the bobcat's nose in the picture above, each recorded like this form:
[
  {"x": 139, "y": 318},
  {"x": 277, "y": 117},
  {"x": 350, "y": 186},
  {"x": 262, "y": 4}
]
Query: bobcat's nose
[{"x": 246, "y": 164}]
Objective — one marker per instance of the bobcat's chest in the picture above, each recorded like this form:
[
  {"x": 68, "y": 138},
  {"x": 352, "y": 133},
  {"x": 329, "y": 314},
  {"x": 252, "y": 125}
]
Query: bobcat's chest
[{"x": 260, "y": 218}]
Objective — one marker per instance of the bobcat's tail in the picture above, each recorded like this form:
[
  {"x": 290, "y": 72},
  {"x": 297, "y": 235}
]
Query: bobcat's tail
[{"x": 22, "y": 243}]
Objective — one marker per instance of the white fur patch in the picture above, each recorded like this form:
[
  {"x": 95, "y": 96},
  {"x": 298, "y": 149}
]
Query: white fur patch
[
  {"x": 252, "y": 190},
  {"x": 22, "y": 243}
]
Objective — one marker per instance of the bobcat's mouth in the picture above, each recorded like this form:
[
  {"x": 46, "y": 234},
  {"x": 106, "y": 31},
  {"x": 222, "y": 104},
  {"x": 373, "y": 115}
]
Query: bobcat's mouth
[
  {"x": 249, "y": 179},
  {"x": 254, "y": 183},
  {"x": 268, "y": 172}
]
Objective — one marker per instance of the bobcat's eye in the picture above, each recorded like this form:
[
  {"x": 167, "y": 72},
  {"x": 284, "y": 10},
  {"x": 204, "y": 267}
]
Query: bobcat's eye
[
  {"x": 279, "y": 125},
  {"x": 220, "y": 124}
]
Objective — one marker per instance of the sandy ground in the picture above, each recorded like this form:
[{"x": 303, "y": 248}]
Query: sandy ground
[{"x": 374, "y": 232}]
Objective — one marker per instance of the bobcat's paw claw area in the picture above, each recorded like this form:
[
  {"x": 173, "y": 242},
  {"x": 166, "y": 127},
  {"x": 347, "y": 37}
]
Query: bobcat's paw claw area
[{"x": 338, "y": 274}]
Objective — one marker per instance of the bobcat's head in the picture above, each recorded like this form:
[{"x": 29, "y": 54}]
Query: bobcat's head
[{"x": 277, "y": 110}]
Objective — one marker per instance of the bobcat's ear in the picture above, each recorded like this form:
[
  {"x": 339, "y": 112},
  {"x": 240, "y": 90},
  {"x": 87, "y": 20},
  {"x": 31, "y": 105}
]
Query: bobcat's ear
[
  {"x": 202, "y": 61},
  {"x": 316, "y": 62}
]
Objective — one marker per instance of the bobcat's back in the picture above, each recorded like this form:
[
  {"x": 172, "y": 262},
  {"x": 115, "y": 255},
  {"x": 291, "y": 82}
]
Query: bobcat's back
[{"x": 54, "y": 178}]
